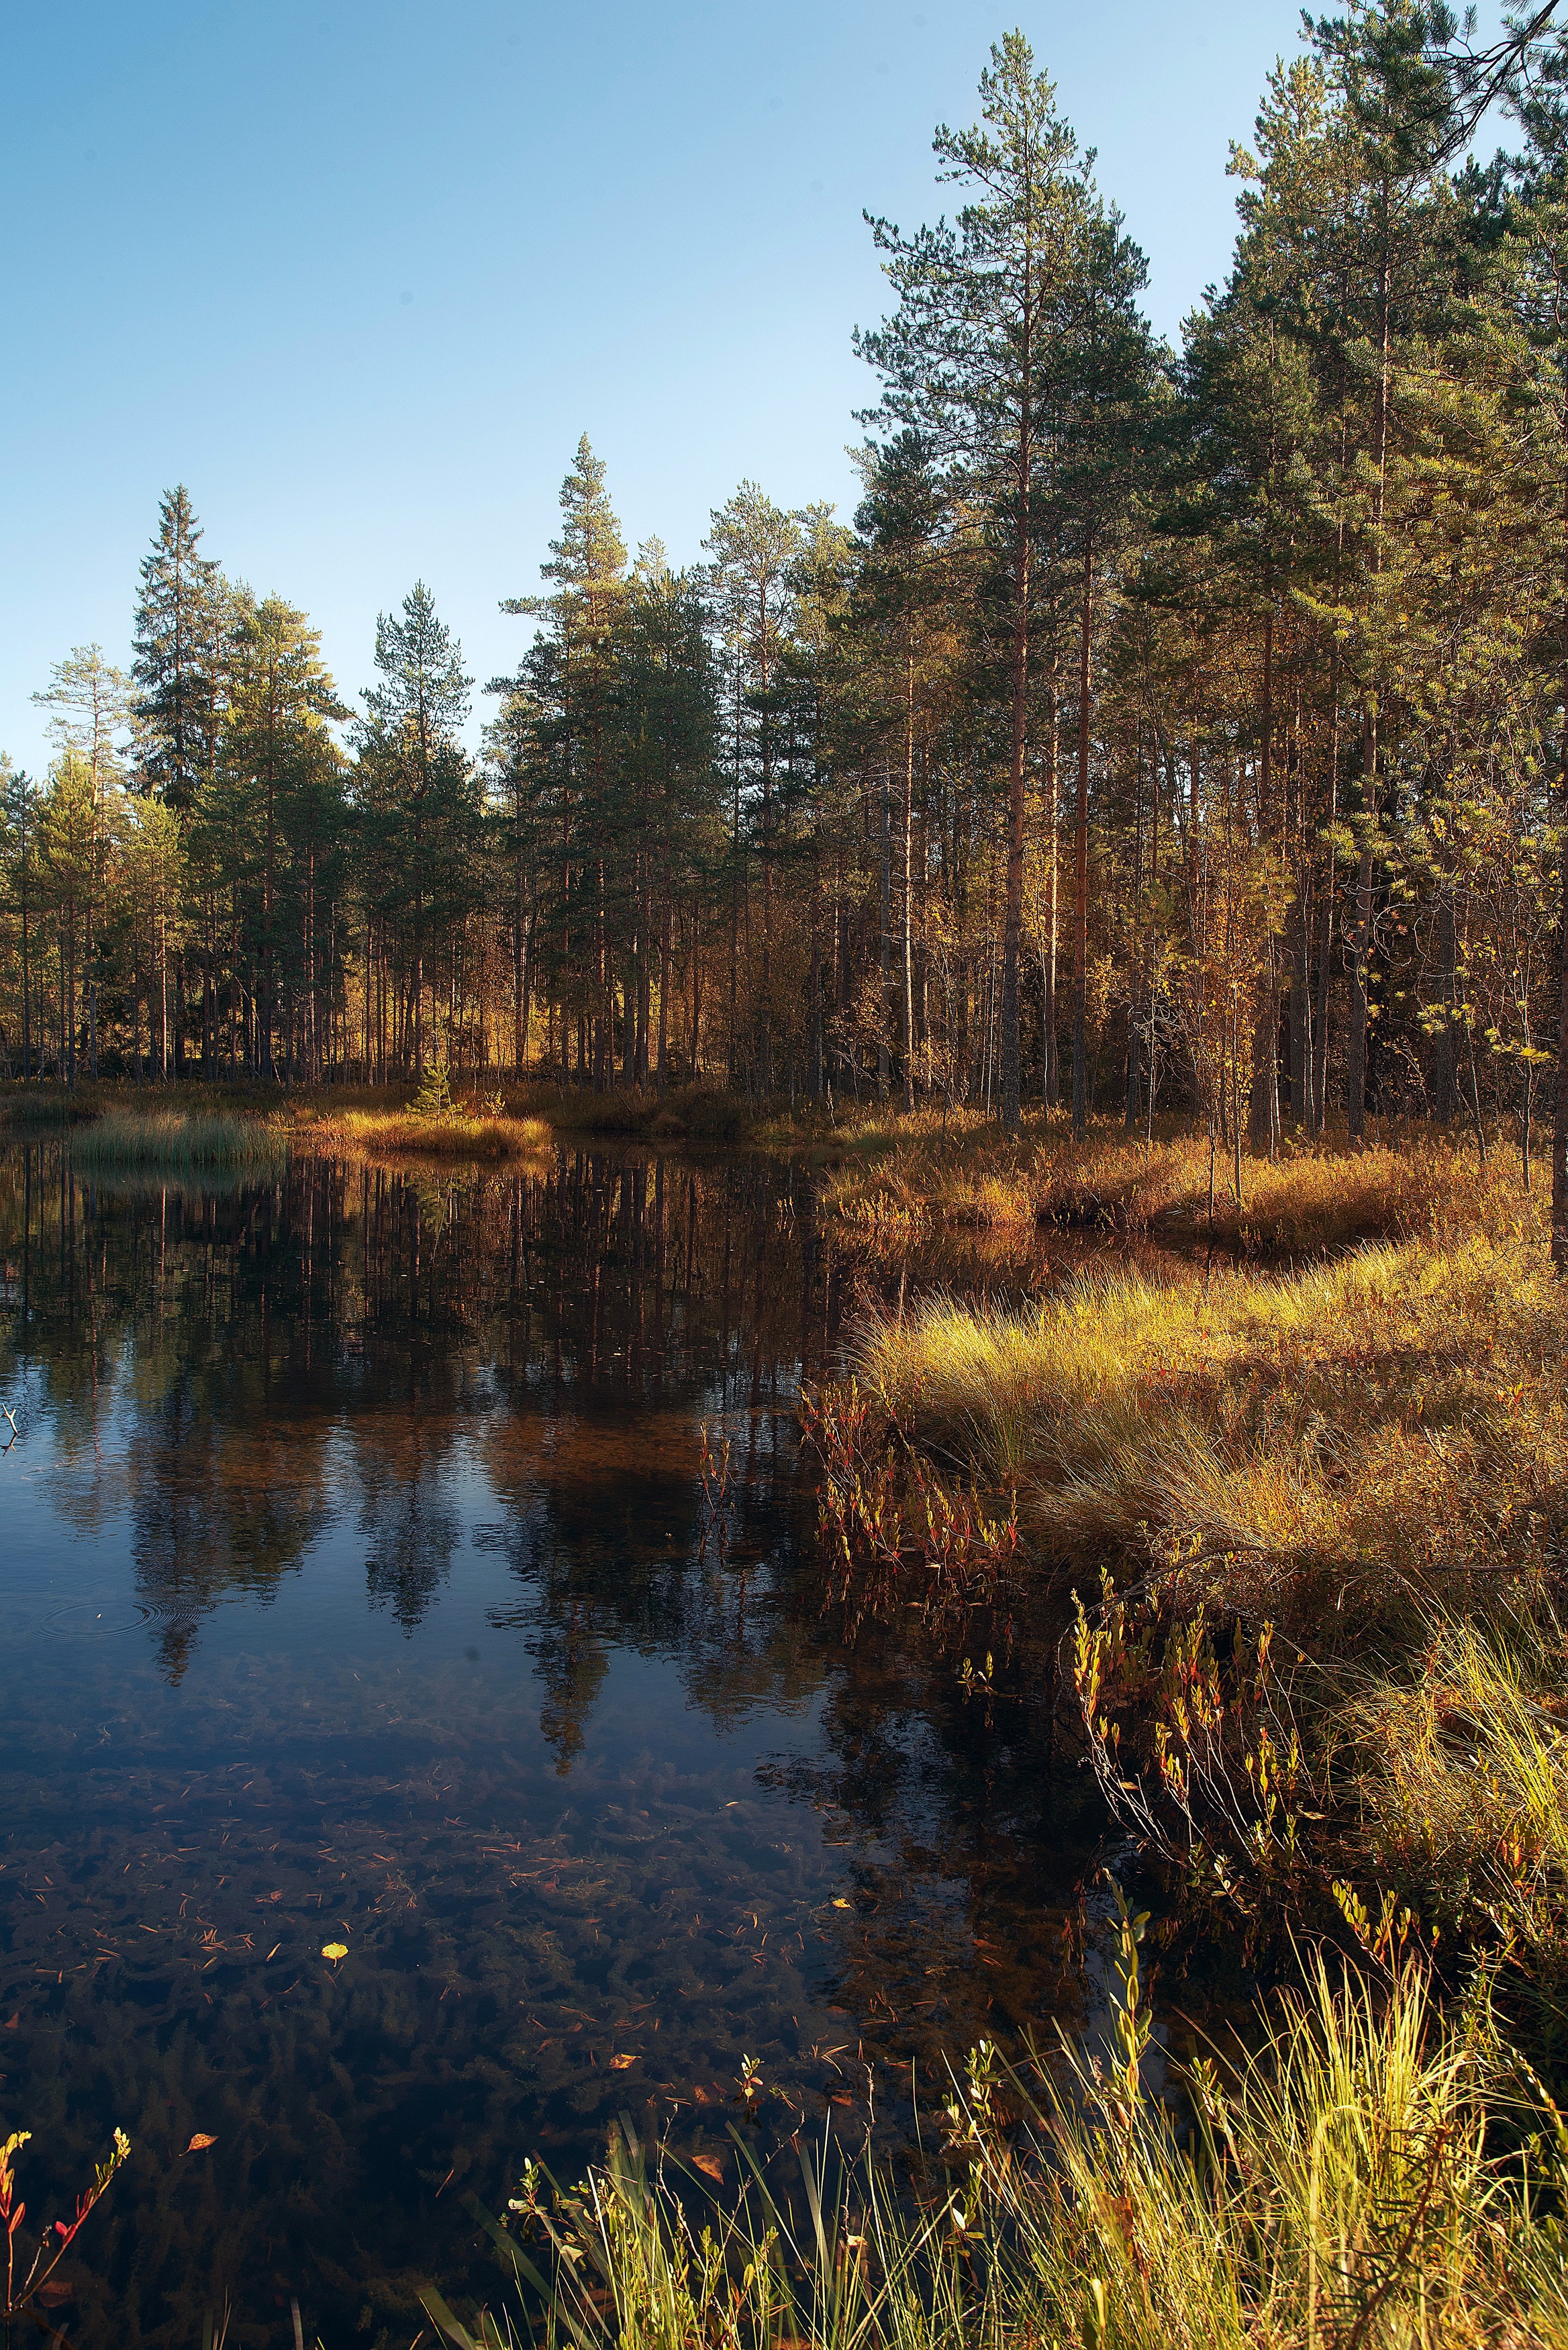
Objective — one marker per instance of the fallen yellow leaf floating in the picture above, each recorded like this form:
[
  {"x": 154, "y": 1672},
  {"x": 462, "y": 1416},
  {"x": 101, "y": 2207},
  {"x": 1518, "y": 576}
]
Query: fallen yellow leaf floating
[
  {"x": 334, "y": 1950},
  {"x": 839, "y": 1902},
  {"x": 620, "y": 2063},
  {"x": 202, "y": 2140}
]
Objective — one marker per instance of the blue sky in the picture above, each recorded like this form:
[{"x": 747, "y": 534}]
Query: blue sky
[{"x": 360, "y": 275}]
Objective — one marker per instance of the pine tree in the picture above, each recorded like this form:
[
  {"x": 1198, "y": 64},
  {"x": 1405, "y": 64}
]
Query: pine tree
[
  {"x": 91, "y": 703},
  {"x": 668, "y": 729},
  {"x": 988, "y": 314},
  {"x": 906, "y": 616},
  {"x": 19, "y": 811},
  {"x": 276, "y": 751}
]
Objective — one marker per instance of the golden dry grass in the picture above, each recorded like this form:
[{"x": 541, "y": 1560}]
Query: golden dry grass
[
  {"x": 1391, "y": 1421},
  {"x": 402, "y": 1133},
  {"x": 909, "y": 1178}
]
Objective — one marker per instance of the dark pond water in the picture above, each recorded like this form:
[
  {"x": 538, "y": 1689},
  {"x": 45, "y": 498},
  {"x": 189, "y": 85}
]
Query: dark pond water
[{"x": 357, "y": 1585}]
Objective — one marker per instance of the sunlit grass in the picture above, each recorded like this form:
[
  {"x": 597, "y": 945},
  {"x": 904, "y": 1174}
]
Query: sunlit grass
[
  {"x": 1343, "y": 2185},
  {"x": 1393, "y": 1419},
  {"x": 909, "y": 1178},
  {"x": 1458, "y": 1762},
  {"x": 404, "y": 1133}
]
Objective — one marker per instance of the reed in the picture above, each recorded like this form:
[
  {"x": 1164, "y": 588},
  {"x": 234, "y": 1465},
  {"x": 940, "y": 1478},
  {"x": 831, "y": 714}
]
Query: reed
[
  {"x": 1342, "y": 2185},
  {"x": 175, "y": 1142}
]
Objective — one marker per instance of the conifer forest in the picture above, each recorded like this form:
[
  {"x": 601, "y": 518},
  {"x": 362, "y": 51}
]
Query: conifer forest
[
  {"x": 1177, "y": 728},
  {"x": 1022, "y": 1607}
]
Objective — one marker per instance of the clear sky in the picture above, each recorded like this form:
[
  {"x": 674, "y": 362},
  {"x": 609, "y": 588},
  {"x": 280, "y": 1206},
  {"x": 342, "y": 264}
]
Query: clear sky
[{"x": 359, "y": 274}]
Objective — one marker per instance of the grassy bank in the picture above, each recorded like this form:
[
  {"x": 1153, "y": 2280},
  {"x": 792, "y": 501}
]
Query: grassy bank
[
  {"x": 1316, "y": 1522},
  {"x": 909, "y": 1178},
  {"x": 1375, "y": 2177},
  {"x": 1379, "y": 1430},
  {"x": 507, "y": 1121}
]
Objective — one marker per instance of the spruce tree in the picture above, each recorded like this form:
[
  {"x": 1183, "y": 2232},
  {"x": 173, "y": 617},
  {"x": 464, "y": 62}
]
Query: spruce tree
[
  {"x": 570, "y": 673},
  {"x": 409, "y": 744},
  {"x": 173, "y": 668}
]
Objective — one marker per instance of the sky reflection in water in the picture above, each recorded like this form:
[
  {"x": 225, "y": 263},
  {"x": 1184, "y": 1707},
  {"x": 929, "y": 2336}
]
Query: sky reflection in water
[{"x": 354, "y": 1589}]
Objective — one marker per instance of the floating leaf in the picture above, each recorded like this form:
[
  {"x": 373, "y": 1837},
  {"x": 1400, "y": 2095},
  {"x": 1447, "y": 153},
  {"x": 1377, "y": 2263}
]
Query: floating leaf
[
  {"x": 711, "y": 2164},
  {"x": 334, "y": 1950},
  {"x": 620, "y": 2063},
  {"x": 839, "y": 1902},
  {"x": 202, "y": 2139}
]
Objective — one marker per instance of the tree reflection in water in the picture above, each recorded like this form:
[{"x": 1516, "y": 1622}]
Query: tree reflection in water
[{"x": 359, "y": 1582}]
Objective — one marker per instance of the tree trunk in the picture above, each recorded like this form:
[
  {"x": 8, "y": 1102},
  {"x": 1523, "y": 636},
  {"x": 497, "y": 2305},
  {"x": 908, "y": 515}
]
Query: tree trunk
[
  {"x": 1560, "y": 1116},
  {"x": 885, "y": 939},
  {"x": 907, "y": 861},
  {"x": 1081, "y": 864},
  {"x": 1012, "y": 920},
  {"x": 1051, "y": 1075},
  {"x": 1445, "y": 1077}
]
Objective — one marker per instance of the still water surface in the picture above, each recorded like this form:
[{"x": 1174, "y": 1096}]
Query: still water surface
[{"x": 358, "y": 1583}]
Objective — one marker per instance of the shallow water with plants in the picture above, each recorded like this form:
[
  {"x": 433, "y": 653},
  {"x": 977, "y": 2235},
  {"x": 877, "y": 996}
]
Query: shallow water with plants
[{"x": 421, "y": 1566}]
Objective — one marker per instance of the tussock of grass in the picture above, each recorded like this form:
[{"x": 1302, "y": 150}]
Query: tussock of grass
[
  {"x": 404, "y": 1133},
  {"x": 1392, "y": 1420},
  {"x": 169, "y": 1140},
  {"x": 1460, "y": 1768},
  {"x": 1340, "y": 2187}
]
